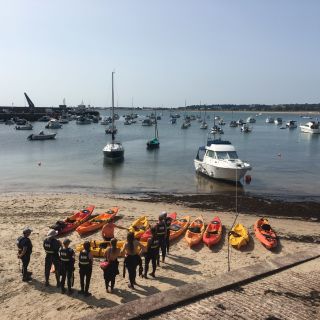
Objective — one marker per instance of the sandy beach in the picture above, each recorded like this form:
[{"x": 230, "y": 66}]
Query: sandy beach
[{"x": 35, "y": 301}]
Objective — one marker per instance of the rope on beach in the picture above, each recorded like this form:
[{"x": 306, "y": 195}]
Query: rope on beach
[{"x": 234, "y": 222}]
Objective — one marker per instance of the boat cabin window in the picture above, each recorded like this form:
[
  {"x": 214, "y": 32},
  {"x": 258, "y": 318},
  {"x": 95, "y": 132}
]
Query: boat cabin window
[
  {"x": 211, "y": 154},
  {"x": 221, "y": 155}
]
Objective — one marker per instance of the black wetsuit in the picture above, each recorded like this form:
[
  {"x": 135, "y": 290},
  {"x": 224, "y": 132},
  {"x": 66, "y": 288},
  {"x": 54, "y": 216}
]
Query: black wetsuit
[
  {"x": 110, "y": 273},
  {"x": 161, "y": 235},
  {"x": 85, "y": 270},
  {"x": 25, "y": 242},
  {"x": 152, "y": 254},
  {"x": 51, "y": 247},
  {"x": 67, "y": 267}
]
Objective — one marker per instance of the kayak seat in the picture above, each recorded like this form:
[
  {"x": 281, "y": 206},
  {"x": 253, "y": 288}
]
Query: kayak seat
[
  {"x": 174, "y": 227},
  {"x": 265, "y": 227},
  {"x": 215, "y": 222},
  {"x": 213, "y": 232},
  {"x": 194, "y": 229},
  {"x": 85, "y": 211}
]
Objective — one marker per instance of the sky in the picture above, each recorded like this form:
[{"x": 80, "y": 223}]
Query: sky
[{"x": 163, "y": 52}]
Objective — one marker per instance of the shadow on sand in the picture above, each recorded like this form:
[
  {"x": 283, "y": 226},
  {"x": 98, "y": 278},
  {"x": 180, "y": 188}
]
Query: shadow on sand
[
  {"x": 92, "y": 300},
  {"x": 179, "y": 268},
  {"x": 184, "y": 260},
  {"x": 174, "y": 282}
]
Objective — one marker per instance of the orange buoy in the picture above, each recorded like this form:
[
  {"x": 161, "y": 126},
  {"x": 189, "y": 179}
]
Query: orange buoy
[{"x": 247, "y": 179}]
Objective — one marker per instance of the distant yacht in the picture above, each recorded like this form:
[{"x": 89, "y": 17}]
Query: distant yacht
[
  {"x": 310, "y": 127},
  {"x": 291, "y": 124},
  {"x": 270, "y": 120},
  {"x": 113, "y": 151}
]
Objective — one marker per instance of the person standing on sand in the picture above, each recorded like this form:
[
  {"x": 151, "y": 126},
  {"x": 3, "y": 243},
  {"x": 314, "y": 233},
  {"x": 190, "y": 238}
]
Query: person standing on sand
[
  {"x": 24, "y": 253},
  {"x": 162, "y": 234},
  {"x": 132, "y": 250},
  {"x": 108, "y": 230},
  {"x": 51, "y": 246},
  {"x": 152, "y": 253},
  {"x": 168, "y": 221},
  {"x": 112, "y": 270},
  {"x": 67, "y": 259},
  {"x": 85, "y": 269}
]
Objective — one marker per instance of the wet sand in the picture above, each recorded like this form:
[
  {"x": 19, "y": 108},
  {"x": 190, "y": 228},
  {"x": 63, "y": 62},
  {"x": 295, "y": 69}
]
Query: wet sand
[{"x": 34, "y": 301}]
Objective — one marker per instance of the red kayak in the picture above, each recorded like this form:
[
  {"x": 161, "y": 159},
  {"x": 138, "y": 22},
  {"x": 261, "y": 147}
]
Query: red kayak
[
  {"x": 73, "y": 221},
  {"x": 145, "y": 236},
  {"x": 213, "y": 233}
]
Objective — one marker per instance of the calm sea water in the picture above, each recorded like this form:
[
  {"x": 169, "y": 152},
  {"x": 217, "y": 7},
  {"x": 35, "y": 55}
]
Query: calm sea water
[{"x": 286, "y": 163}]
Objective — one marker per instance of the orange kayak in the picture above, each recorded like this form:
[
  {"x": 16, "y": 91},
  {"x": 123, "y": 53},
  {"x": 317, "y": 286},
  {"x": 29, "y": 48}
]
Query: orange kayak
[
  {"x": 265, "y": 233},
  {"x": 212, "y": 235},
  {"x": 178, "y": 227},
  {"x": 73, "y": 221},
  {"x": 98, "y": 221},
  {"x": 195, "y": 231}
]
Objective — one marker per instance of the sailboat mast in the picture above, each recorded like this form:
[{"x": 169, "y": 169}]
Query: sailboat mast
[{"x": 112, "y": 110}]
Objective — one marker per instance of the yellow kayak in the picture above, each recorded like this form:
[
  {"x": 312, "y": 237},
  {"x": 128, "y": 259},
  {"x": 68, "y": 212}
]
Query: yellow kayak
[
  {"x": 139, "y": 227},
  {"x": 98, "y": 247},
  {"x": 239, "y": 236}
]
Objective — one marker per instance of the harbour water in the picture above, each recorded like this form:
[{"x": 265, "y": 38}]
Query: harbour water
[{"x": 286, "y": 163}]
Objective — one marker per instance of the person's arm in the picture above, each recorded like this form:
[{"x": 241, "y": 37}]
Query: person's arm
[{"x": 23, "y": 252}]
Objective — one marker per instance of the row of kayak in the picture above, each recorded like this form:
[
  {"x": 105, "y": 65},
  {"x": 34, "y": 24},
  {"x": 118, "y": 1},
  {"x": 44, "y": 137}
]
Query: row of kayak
[{"x": 195, "y": 232}]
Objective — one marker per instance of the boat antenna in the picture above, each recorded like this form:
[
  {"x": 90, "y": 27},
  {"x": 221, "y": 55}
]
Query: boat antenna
[
  {"x": 112, "y": 111},
  {"x": 234, "y": 222}
]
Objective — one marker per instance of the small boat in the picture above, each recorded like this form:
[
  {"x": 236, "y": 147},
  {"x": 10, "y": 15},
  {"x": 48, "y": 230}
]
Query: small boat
[
  {"x": 63, "y": 120},
  {"x": 233, "y": 124},
  {"x": 139, "y": 226},
  {"x": 251, "y": 120},
  {"x": 278, "y": 121},
  {"x": 220, "y": 161},
  {"x": 42, "y": 136},
  {"x": 265, "y": 234},
  {"x": 106, "y": 120},
  {"x": 186, "y": 124},
  {"x": 146, "y": 122},
  {"x": 291, "y": 124},
  {"x": 83, "y": 120},
  {"x": 44, "y": 119},
  {"x": 238, "y": 236},
  {"x": 73, "y": 221},
  {"x": 240, "y": 122},
  {"x": 21, "y": 122},
  {"x": 217, "y": 118},
  {"x": 245, "y": 128},
  {"x": 97, "y": 222},
  {"x": 213, "y": 232},
  {"x": 53, "y": 124},
  {"x": 127, "y": 122},
  {"x": 221, "y": 122},
  {"x": 173, "y": 120},
  {"x": 27, "y": 126},
  {"x": 270, "y": 120},
  {"x": 203, "y": 125},
  {"x": 98, "y": 248},
  {"x": 310, "y": 127},
  {"x": 195, "y": 231},
  {"x": 216, "y": 130},
  {"x": 154, "y": 143},
  {"x": 113, "y": 151}
]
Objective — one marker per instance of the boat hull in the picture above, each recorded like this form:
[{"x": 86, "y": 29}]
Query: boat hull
[
  {"x": 220, "y": 173},
  {"x": 113, "y": 156}
]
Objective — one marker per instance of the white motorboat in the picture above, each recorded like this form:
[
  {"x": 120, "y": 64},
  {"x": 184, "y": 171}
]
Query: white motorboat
[
  {"x": 186, "y": 124},
  {"x": 27, "y": 126},
  {"x": 53, "y": 124},
  {"x": 251, "y": 120},
  {"x": 278, "y": 121},
  {"x": 221, "y": 122},
  {"x": 42, "y": 136},
  {"x": 310, "y": 127},
  {"x": 216, "y": 130},
  {"x": 270, "y": 120},
  {"x": 291, "y": 124},
  {"x": 203, "y": 125},
  {"x": 220, "y": 161},
  {"x": 113, "y": 151},
  {"x": 233, "y": 124},
  {"x": 245, "y": 128},
  {"x": 240, "y": 122}
]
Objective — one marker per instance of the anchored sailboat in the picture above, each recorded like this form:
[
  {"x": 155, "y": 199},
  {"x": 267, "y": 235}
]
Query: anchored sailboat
[
  {"x": 113, "y": 151},
  {"x": 154, "y": 143}
]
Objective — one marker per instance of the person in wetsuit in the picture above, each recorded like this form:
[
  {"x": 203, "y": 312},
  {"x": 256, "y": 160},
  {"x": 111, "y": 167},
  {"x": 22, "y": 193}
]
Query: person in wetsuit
[
  {"x": 112, "y": 270},
  {"x": 24, "y": 253},
  {"x": 67, "y": 258},
  {"x": 85, "y": 269},
  {"x": 162, "y": 235},
  {"x": 51, "y": 246},
  {"x": 168, "y": 221},
  {"x": 132, "y": 250},
  {"x": 152, "y": 253}
]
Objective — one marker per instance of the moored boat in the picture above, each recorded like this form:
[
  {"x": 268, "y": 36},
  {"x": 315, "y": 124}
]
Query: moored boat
[
  {"x": 310, "y": 127},
  {"x": 27, "y": 126},
  {"x": 42, "y": 136}
]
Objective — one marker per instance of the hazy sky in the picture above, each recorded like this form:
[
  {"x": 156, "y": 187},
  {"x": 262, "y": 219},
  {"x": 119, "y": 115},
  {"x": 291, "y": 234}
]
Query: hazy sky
[{"x": 163, "y": 52}]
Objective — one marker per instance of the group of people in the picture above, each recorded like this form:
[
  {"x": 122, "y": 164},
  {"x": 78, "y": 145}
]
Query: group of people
[{"x": 60, "y": 258}]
